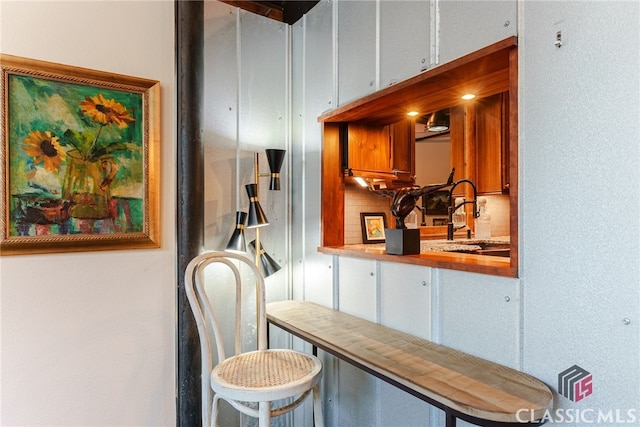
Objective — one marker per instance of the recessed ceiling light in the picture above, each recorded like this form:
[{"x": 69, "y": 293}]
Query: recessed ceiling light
[
  {"x": 412, "y": 113},
  {"x": 468, "y": 96}
]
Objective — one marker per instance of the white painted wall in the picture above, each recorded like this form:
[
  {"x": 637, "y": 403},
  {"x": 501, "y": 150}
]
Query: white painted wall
[
  {"x": 581, "y": 276},
  {"x": 88, "y": 339}
]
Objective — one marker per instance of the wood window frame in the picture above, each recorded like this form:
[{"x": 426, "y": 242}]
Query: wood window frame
[{"x": 485, "y": 72}]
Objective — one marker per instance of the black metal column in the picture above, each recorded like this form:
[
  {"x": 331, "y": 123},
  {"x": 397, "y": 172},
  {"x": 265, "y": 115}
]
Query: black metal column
[
  {"x": 190, "y": 197},
  {"x": 450, "y": 419}
]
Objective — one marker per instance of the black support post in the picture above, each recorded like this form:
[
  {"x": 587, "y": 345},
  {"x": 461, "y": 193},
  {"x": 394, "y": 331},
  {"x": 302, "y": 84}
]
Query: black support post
[
  {"x": 190, "y": 198},
  {"x": 451, "y": 419}
]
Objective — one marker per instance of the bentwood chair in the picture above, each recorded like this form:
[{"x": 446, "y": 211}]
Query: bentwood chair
[{"x": 247, "y": 379}]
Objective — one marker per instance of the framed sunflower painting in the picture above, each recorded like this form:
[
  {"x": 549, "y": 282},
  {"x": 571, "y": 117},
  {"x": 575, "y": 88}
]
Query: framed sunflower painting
[{"x": 79, "y": 158}]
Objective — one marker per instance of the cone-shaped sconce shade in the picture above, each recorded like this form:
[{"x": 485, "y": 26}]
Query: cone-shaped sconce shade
[
  {"x": 275, "y": 158},
  {"x": 237, "y": 242},
  {"x": 269, "y": 265},
  {"x": 257, "y": 218}
]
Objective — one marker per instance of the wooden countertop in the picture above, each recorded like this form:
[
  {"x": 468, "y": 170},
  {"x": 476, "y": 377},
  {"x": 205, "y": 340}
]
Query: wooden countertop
[
  {"x": 440, "y": 375},
  {"x": 497, "y": 266}
]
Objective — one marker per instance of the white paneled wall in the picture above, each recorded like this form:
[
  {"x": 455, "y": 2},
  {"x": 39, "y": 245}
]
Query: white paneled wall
[
  {"x": 466, "y": 26},
  {"x": 314, "y": 89},
  {"x": 577, "y": 298},
  {"x": 405, "y": 40},
  {"x": 247, "y": 109},
  {"x": 377, "y": 43},
  {"x": 357, "y": 49}
]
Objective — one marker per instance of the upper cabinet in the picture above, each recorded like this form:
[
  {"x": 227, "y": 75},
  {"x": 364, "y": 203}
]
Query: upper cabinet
[
  {"x": 382, "y": 153},
  {"x": 492, "y": 148},
  {"x": 403, "y": 145},
  {"x": 479, "y": 139},
  {"x": 368, "y": 148}
]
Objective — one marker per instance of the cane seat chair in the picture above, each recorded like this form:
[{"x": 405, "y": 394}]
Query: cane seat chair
[{"x": 246, "y": 380}]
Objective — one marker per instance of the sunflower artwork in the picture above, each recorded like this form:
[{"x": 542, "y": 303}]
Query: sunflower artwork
[{"x": 76, "y": 162}]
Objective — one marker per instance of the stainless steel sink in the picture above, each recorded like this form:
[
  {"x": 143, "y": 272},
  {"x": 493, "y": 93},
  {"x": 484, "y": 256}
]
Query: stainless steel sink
[
  {"x": 468, "y": 246},
  {"x": 487, "y": 248}
]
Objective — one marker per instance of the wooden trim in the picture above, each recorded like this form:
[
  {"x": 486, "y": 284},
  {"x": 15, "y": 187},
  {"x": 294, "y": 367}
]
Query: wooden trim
[
  {"x": 513, "y": 156},
  {"x": 485, "y": 72},
  {"x": 332, "y": 215},
  {"x": 470, "y": 155},
  {"x": 483, "y": 264}
]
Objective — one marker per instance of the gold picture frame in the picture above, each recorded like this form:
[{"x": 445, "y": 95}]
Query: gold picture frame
[{"x": 79, "y": 154}]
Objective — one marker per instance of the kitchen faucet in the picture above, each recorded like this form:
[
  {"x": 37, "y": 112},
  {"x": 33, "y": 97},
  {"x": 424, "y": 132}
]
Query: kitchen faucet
[{"x": 453, "y": 207}]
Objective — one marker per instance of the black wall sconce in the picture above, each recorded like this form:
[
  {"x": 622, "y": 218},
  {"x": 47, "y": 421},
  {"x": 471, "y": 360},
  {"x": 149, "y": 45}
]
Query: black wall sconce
[{"x": 256, "y": 217}]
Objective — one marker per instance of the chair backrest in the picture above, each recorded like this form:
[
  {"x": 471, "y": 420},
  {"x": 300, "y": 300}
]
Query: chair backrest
[{"x": 205, "y": 317}]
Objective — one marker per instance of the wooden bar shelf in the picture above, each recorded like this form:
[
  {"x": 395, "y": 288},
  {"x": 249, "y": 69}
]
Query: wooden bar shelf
[{"x": 464, "y": 386}]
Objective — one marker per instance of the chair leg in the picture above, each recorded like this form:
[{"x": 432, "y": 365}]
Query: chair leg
[
  {"x": 214, "y": 411},
  {"x": 318, "y": 419},
  {"x": 264, "y": 412}
]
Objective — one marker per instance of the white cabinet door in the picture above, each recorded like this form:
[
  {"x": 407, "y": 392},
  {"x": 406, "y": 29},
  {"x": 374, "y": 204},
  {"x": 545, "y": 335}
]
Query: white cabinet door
[
  {"x": 405, "y": 298},
  {"x": 405, "y": 305},
  {"x": 318, "y": 278},
  {"x": 357, "y": 292},
  {"x": 356, "y": 50},
  {"x": 466, "y": 26},
  {"x": 404, "y": 40},
  {"x": 480, "y": 315}
]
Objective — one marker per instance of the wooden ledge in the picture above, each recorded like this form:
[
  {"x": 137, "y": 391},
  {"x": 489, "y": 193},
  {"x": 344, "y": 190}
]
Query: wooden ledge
[
  {"x": 464, "y": 386},
  {"x": 483, "y": 264}
]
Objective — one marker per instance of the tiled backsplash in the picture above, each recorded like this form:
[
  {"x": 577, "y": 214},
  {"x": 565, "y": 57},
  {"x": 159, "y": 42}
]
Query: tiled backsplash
[
  {"x": 357, "y": 200},
  {"x": 498, "y": 207}
]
